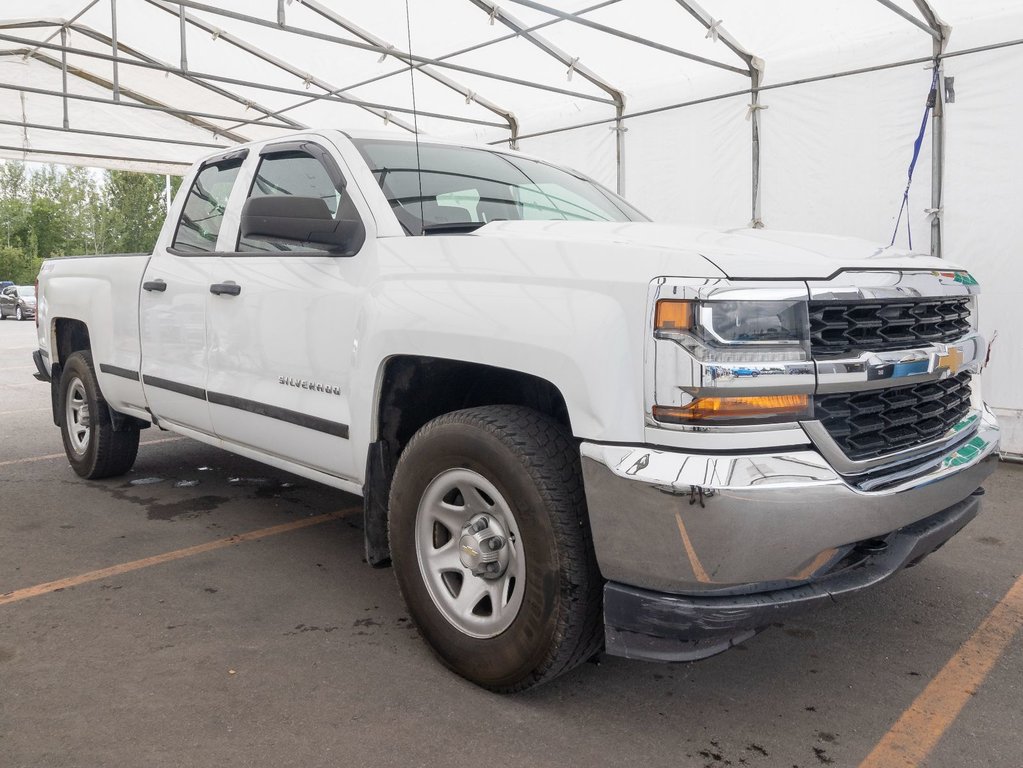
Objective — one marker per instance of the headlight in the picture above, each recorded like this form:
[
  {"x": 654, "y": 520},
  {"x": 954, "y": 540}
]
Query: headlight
[{"x": 736, "y": 331}]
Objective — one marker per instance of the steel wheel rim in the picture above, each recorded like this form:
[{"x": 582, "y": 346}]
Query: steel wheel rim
[
  {"x": 76, "y": 416},
  {"x": 478, "y": 607}
]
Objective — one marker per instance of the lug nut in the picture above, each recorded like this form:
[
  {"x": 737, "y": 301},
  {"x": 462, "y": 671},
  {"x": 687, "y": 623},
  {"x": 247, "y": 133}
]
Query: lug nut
[
  {"x": 481, "y": 524},
  {"x": 495, "y": 543}
]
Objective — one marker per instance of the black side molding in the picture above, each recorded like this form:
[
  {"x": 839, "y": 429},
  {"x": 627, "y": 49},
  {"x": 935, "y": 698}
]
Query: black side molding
[
  {"x": 280, "y": 414},
  {"x": 114, "y": 370},
  {"x": 173, "y": 386},
  {"x": 252, "y": 406}
]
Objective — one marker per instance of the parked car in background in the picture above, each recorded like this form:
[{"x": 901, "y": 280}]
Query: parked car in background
[{"x": 18, "y": 301}]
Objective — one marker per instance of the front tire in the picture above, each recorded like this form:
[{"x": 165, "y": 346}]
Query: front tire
[
  {"x": 93, "y": 448},
  {"x": 492, "y": 549}
]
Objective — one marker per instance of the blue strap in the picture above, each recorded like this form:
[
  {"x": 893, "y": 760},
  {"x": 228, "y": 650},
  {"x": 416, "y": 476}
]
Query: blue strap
[{"x": 932, "y": 97}]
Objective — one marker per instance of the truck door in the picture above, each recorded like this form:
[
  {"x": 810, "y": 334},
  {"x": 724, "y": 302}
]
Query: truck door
[
  {"x": 281, "y": 323},
  {"x": 172, "y": 306}
]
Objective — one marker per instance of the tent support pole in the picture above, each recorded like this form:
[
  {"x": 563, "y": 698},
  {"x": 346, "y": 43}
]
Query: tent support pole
[
  {"x": 937, "y": 158},
  {"x": 182, "y": 28},
  {"x": 943, "y": 31},
  {"x": 620, "y": 129},
  {"x": 113, "y": 46},
  {"x": 63, "y": 73},
  {"x": 166, "y": 193},
  {"x": 756, "y": 222}
]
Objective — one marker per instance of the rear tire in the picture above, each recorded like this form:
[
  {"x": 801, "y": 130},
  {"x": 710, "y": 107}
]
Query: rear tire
[
  {"x": 92, "y": 446},
  {"x": 520, "y": 470}
]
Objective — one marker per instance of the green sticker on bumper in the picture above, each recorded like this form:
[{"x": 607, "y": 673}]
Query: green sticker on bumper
[{"x": 966, "y": 453}]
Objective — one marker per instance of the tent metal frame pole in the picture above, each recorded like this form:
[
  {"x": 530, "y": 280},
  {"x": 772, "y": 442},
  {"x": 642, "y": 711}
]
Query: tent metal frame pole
[
  {"x": 701, "y": 15},
  {"x": 757, "y": 221},
  {"x": 63, "y": 74},
  {"x": 427, "y": 69},
  {"x": 196, "y": 118},
  {"x": 627, "y": 36},
  {"x": 468, "y": 49},
  {"x": 259, "y": 53},
  {"x": 937, "y": 126},
  {"x": 142, "y": 99},
  {"x": 113, "y": 47},
  {"x": 313, "y": 34},
  {"x": 114, "y": 135},
  {"x": 755, "y": 70},
  {"x": 936, "y": 34},
  {"x": 183, "y": 37},
  {"x": 762, "y": 88},
  {"x": 185, "y": 75},
  {"x": 197, "y": 77},
  {"x": 617, "y": 95},
  {"x": 66, "y": 23},
  {"x": 92, "y": 156}
]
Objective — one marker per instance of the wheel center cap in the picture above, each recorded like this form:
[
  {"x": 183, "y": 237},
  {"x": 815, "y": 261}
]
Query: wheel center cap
[{"x": 483, "y": 547}]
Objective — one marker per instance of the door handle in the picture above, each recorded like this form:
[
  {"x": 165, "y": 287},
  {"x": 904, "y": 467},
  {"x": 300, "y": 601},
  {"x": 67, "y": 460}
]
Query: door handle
[
  {"x": 154, "y": 285},
  {"x": 231, "y": 289}
]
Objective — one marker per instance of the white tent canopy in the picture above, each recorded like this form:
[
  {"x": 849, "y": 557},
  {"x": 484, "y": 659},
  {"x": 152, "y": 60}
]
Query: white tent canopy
[{"x": 794, "y": 114}]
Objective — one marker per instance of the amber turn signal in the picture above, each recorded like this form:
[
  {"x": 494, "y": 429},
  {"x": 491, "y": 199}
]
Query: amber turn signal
[
  {"x": 673, "y": 315},
  {"x": 713, "y": 408}
]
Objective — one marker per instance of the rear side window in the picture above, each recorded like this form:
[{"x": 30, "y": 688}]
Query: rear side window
[{"x": 204, "y": 208}]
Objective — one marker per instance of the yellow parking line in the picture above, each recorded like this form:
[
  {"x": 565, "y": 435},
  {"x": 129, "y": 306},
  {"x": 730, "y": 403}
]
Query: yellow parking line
[
  {"x": 210, "y": 546},
  {"x": 694, "y": 560},
  {"x": 915, "y": 734},
  {"x": 62, "y": 454}
]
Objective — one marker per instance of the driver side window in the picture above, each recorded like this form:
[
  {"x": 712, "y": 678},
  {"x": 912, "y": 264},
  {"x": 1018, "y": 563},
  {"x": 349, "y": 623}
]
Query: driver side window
[{"x": 297, "y": 205}]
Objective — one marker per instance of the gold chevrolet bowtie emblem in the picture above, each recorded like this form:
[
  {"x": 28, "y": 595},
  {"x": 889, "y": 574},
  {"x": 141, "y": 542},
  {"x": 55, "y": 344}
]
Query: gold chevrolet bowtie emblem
[
  {"x": 469, "y": 550},
  {"x": 951, "y": 359}
]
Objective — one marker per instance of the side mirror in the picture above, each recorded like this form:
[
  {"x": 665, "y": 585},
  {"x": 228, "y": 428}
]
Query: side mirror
[{"x": 299, "y": 221}]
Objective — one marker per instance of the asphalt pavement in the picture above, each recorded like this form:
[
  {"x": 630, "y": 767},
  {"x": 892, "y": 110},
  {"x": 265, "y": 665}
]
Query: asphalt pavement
[{"x": 168, "y": 643}]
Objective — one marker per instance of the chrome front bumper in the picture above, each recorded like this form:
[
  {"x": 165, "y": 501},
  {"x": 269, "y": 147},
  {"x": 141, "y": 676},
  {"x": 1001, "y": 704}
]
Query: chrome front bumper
[{"x": 701, "y": 524}]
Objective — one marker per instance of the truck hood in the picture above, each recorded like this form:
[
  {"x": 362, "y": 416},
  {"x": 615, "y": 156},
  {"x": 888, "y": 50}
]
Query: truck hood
[{"x": 738, "y": 253}]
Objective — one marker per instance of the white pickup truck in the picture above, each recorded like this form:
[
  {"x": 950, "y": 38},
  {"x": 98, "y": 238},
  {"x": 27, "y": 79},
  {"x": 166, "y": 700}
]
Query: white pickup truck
[{"x": 572, "y": 428}]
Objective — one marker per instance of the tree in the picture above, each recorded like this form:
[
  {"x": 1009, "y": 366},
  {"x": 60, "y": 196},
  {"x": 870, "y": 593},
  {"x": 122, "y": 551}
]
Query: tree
[
  {"x": 135, "y": 202},
  {"x": 18, "y": 266},
  {"x": 48, "y": 211}
]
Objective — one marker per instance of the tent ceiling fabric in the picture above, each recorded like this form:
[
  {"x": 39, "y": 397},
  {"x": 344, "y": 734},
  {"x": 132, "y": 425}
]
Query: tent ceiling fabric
[{"x": 250, "y": 70}]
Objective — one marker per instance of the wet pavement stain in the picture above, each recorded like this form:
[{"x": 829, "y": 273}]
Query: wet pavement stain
[
  {"x": 822, "y": 756},
  {"x": 185, "y": 508},
  {"x": 302, "y": 628}
]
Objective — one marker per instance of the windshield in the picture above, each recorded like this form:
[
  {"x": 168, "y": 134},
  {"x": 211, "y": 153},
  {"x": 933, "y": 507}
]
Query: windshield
[
  {"x": 27, "y": 291},
  {"x": 462, "y": 188}
]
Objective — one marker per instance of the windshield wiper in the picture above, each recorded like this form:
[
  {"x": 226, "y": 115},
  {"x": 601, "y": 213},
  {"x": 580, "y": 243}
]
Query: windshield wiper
[{"x": 452, "y": 227}]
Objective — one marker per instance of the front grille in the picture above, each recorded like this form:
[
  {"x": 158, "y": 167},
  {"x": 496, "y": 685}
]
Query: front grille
[
  {"x": 840, "y": 327},
  {"x": 871, "y": 424}
]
